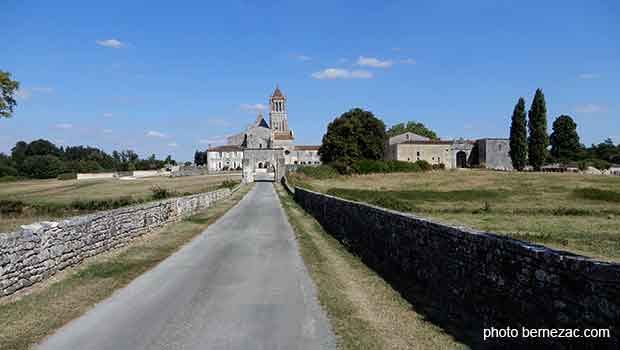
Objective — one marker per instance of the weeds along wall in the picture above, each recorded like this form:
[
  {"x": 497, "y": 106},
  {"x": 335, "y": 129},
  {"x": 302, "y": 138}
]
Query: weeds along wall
[
  {"x": 38, "y": 251},
  {"x": 471, "y": 280}
]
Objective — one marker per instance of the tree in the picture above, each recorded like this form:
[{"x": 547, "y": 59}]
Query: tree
[
  {"x": 518, "y": 136},
  {"x": 8, "y": 88},
  {"x": 564, "y": 139},
  {"x": 42, "y": 167},
  {"x": 538, "y": 140},
  {"x": 18, "y": 153},
  {"x": 42, "y": 147},
  {"x": 356, "y": 134},
  {"x": 414, "y": 127}
]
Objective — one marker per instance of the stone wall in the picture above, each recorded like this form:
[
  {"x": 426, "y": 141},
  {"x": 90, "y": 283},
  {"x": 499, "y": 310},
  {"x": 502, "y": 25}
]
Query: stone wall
[
  {"x": 466, "y": 280},
  {"x": 38, "y": 251}
]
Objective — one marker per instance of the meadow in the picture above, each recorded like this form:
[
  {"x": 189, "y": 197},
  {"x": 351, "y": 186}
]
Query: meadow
[
  {"x": 24, "y": 202},
  {"x": 573, "y": 212}
]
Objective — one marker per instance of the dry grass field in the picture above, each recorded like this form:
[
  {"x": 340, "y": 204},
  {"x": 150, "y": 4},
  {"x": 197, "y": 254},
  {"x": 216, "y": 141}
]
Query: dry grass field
[
  {"x": 54, "y": 199},
  {"x": 570, "y": 212}
]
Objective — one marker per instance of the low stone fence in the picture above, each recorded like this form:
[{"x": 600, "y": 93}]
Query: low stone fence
[
  {"x": 38, "y": 251},
  {"x": 468, "y": 280}
]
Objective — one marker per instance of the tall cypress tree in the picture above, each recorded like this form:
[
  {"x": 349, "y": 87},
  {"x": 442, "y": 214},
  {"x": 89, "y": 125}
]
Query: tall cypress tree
[
  {"x": 518, "y": 136},
  {"x": 537, "y": 125}
]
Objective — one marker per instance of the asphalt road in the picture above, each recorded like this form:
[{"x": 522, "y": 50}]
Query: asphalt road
[{"x": 240, "y": 285}]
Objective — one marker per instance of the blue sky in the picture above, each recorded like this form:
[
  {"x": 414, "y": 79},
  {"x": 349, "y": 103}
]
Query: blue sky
[{"x": 172, "y": 77}]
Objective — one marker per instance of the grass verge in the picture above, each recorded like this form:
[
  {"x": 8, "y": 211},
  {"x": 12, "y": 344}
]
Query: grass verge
[
  {"x": 28, "y": 319},
  {"x": 365, "y": 312}
]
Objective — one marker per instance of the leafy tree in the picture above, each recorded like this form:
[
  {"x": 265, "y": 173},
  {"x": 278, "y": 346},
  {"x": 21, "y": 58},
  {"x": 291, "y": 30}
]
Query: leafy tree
[
  {"x": 606, "y": 150},
  {"x": 8, "y": 88},
  {"x": 518, "y": 136},
  {"x": 564, "y": 139},
  {"x": 355, "y": 135},
  {"x": 42, "y": 147},
  {"x": 42, "y": 167},
  {"x": 414, "y": 127},
  {"x": 538, "y": 140},
  {"x": 18, "y": 153}
]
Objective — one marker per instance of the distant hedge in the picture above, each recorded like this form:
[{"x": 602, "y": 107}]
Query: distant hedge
[
  {"x": 388, "y": 166},
  {"x": 365, "y": 167},
  {"x": 319, "y": 171}
]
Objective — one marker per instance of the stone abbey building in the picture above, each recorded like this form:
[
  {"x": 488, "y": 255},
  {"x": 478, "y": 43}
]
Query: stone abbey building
[
  {"x": 491, "y": 153},
  {"x": 262, "y": 144}
]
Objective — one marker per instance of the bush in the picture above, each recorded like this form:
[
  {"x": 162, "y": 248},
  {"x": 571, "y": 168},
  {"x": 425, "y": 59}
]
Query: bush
[
  {"x": 598, "y": 194},
  {"x": 388, "y": 166},
  {"x": 229, "y": 184},
  {"x": 6, "y": 170},
  {"x": 11, "y": 207},
  {"x": 159, "y": 192},
  {"x": 67, "y": 176},
  {"x": 439, "y": 166},
  {"x": 42, "y": 167},
  {"x": 318, "y": 172}
]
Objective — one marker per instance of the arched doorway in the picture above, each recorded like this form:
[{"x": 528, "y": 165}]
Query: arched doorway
[
  {"x": 260, "y": 165},
  {"x": 461, "y": 159}
]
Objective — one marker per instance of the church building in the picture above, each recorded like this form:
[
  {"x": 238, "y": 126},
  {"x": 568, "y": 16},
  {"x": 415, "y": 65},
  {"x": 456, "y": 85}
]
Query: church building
[{"x": 275, "y": 136}]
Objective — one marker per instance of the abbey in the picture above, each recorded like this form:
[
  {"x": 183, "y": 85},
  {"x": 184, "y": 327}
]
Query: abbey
[{"x": 262, "y": 143}]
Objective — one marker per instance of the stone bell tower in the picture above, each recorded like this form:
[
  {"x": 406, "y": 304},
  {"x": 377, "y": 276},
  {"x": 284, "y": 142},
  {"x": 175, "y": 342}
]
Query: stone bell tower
[{"x": 278, "y": 117}]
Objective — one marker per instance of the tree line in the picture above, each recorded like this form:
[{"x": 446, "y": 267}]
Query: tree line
[
  {"x": 41, "y": 159},
  {"x": 530, "y": 144}
]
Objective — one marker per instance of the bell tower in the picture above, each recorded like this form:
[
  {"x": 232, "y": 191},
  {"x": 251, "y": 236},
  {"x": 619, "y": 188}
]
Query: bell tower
[{"x": 278, "y": 117}]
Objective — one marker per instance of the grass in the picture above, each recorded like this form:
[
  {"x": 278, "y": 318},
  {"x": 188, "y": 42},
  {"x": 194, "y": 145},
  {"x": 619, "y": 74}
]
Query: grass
[
  {"x": 572, "y": 212},
  {"x": 53, "y": 199},
  {"x": 364, "y": 311},
  {"x": 28, "y": 318}
]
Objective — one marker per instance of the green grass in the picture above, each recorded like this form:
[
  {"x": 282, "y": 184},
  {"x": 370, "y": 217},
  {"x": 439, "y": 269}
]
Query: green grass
[
  {"x": 597, "y": 194},
  {"x": 571, "y": 212},
  {"x": 364, "y": 311},
  {"x": 28, "y": 319}
]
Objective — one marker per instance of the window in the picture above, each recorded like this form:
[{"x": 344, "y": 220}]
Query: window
[
  {"x": 407, "y": 136},
  {"x": 418, "y": 154},
  {"x": 433, "y": 158},
  {"x": 260, "y": 145},
  {"x": 499, "y": 147}
]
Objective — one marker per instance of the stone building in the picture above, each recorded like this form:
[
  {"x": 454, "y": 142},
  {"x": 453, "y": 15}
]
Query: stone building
[
  {"x": 262, "y": 144},
  {"x": 460, "y": 153}
]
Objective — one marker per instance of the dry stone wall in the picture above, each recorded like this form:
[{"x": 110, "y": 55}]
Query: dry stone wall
[
  {"x": 38, "y": 251},
  {"x": 467, "y": 280}
]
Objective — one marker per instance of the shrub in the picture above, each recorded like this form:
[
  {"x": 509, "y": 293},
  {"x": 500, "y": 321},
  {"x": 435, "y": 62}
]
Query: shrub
[
  {"x": 229, "y": 184},
  {"x": 319, "y": 172},
  {"x": 11, "y": 206},
  {"x": 67, "y": 176},
  {"x": 6, "y": 170},
  {"x": 42, "y": 167},
  {"x": 424, "y": 165},
  {"x": 441, "y": 166},
  {"x": 341, "y": 167},
  {"x": 159, "y": 192}
]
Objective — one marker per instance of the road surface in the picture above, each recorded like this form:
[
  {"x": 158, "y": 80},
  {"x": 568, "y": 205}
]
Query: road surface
[{"x": 241, "y": 284}]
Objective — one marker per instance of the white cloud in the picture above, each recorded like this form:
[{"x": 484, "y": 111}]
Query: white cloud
[
  {"x": 408, "y": 61},
  {"x": 107, "y": 114},
  {"x": 112, "y": 43},
  {"x": 26, "y": 93},
  {"x": 218, "y": 121},
  {"x": 338, "y": 73},
  {"x": 153, "y": 133},
  {"x": 373, "y": 62},
  {"x": 588, "y": 76},
  {"x": 22, "y": 94},
  {"x": 42, "y": 89},
  {"x": 212, "y": 140},
  {"x": 304, "y": 58},
  {"x": 591, "y": 108},
  {"x": 173, "y": 144},
  {"x": 259, "y": 107},
  {"x": 64, "y": 126}
]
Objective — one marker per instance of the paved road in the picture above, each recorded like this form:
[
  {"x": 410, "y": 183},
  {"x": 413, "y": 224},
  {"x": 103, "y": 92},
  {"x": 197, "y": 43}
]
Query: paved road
[{"x": 240, "y": 285}]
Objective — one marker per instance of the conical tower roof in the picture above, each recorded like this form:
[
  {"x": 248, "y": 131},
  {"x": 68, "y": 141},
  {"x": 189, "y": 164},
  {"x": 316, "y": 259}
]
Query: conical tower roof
[{"x": 277, "y": 93}]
